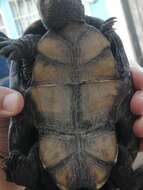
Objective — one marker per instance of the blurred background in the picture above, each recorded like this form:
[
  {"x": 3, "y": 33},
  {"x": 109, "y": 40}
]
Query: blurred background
[{"x": 16, "y": 15}]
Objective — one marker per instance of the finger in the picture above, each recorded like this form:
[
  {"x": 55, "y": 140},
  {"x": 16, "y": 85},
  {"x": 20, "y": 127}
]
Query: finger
[
  {"x": 11, "y": 102},
  {"x": 138, "y": 127},
  {"x": 136, "y": 104},
  {"x": 141, "y": 145},
  {"x": 137, "y": 74}
]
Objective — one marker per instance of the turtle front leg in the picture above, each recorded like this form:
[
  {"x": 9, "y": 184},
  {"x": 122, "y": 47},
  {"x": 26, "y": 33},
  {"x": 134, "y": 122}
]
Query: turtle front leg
[
  {"x": 22, "y": 48},
  {"x": 107, "y": 26}
]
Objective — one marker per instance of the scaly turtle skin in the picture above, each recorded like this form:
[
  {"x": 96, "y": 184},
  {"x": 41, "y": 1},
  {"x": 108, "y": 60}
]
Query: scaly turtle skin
[{"x": 77, "y": 87}]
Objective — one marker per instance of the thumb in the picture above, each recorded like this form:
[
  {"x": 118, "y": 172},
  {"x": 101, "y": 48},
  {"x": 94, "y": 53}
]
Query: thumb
[{"x": 11, "y": 102}]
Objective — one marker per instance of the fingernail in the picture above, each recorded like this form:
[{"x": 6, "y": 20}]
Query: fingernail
[
  {"x": 139, "y": 93},
  {"x": 10, "y": 102}
]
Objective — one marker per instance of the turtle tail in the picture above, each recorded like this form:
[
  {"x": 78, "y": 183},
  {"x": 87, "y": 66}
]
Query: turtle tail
[{"x": 55, "y": 14}]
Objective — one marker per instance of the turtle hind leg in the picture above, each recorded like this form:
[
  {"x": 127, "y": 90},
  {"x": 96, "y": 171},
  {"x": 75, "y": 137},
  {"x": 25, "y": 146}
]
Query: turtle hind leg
[
  {"x": 23, "y": 170},
  {"x": 137, "y": 180},
  {"x": 37, "y": 187},
  {"x": 123, "y": 176},
  {"x": 46, "y": 182},
  {"x": 109, "y": 186},
  {"x": 122, "y": 172}
]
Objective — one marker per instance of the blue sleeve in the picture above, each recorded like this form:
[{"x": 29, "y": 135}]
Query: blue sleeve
[{"x": 4, "y": 72}]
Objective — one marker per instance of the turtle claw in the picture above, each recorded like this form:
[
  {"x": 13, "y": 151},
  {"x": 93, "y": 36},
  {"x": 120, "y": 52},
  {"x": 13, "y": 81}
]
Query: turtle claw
[{"x": 107, "y": 26}]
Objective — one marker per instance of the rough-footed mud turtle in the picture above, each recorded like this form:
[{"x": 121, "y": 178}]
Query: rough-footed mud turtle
[{"x": 75, "y": 129}]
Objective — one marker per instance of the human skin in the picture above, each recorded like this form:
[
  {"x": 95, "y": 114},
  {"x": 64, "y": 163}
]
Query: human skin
[
  {"x": 136, "y": 104},
  {"x": 11, "y": 103}
]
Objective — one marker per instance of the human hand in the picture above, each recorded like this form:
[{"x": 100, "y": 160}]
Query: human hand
[
  {"x": 136, "y": 104},
  {"x": 11, "y": 103}
]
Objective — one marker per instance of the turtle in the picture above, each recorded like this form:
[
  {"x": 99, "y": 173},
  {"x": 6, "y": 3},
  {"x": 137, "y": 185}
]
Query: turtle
[{"x": 75, "y": 129}]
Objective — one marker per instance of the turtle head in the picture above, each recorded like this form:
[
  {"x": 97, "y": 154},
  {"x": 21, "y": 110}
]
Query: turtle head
[{"x": 57, "y": 13}]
